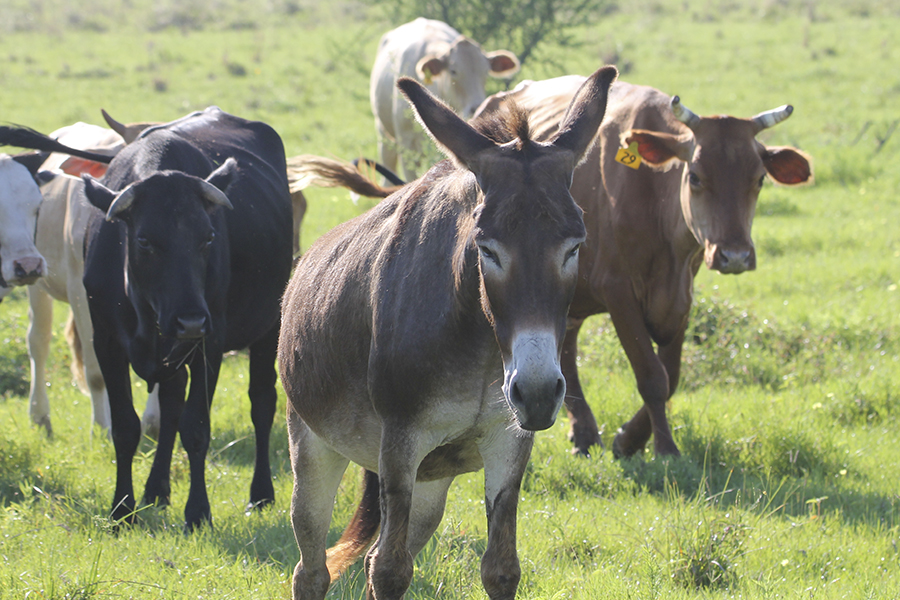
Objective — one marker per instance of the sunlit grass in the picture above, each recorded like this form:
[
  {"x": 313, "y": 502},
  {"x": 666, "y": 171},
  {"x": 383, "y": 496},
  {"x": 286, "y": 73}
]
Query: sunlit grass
[{"x": 786, "y": 412}]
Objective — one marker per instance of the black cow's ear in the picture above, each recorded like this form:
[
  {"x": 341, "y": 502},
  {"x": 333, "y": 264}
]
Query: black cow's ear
[
  {"x": 221, "y": 177},
  {"x": 98, "y": 194},
  {"x": 31, "y": 160}
]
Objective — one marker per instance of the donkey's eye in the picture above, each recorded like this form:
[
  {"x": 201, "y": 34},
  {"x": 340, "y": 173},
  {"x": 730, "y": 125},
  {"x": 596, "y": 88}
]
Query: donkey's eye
[
  {"x": 694, "y": 179},
  {"x": 762, "y": 178},
  {"x": 144, "y": 244},
  {"x": 209, "y": 240},
  {"x": 487, "y": 254},
  {"x": 573, "y": 253}
]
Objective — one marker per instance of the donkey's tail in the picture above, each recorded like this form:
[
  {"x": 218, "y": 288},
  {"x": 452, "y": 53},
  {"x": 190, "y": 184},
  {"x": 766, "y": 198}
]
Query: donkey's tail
[
  {"x": 77, "y": 364},
  {"x": 307, "y": 170},
  {"x": 361, "y": 530}
]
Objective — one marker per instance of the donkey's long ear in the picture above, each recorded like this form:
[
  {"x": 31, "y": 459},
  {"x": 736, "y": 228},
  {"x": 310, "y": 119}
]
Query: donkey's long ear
[
  {"x": 456, "y": 138},
  {"x": 585, "y": 113}
]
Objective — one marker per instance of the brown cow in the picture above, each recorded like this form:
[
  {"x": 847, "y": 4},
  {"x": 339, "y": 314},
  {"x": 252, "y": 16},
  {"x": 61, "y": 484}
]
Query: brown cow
[{"x": 691, "y": 200}]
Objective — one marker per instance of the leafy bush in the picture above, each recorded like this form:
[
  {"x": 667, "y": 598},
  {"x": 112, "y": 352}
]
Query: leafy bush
[{"x": 520, "y": 26}]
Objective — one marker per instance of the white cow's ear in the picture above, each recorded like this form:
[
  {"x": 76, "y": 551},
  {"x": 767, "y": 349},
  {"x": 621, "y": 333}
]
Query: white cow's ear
[
  {"x": 428, "y": 67},
  {"x": 503, "y": 64}
]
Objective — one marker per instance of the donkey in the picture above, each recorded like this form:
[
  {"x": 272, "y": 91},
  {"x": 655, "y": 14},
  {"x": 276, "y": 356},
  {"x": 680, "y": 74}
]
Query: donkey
[{"x": 422, "y": 340}]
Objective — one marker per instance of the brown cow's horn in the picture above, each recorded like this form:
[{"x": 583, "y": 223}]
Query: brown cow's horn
[
  {"x": 683, "y": 113},
  {"x": 128, "y": 132},
  {"x": 120, "y": 203},
  {"x": 772, "y": 117}
]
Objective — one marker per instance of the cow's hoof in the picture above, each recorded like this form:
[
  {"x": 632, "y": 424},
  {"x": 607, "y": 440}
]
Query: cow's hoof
[
  {"x": 44, "y": 422},
  {"x": 584, "y": 441},
  {"x": 622, "y": 449},
  {"x": 254, "y": 506},
  {"x": 123, "y": 513}
]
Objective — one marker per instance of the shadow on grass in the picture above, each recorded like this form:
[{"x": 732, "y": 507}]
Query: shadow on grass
[{"x": 797, "y": 476}]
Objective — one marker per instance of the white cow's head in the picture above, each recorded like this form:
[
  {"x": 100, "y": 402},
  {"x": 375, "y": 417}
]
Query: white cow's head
[
  {"x": 20, "y": 199},
  {"x": 460, "y": 72}
]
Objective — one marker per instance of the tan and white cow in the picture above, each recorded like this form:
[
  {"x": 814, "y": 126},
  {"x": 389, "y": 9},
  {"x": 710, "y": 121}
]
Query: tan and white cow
[
  {"x": 688, "y": 199},
  {"x": 450, "y": 65},
  {"x": 60, "y": 239}
]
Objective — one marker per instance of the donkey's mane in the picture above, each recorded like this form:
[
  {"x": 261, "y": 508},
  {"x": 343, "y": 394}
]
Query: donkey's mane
[{"x": 507, "y": 125}]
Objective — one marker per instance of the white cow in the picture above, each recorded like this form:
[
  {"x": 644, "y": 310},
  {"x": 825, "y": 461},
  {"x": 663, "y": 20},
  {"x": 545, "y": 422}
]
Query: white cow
[
  {"x": 60, "y": 238},
  {"x": 20, "y": 261},
  {"x": 449, "y": 64}
]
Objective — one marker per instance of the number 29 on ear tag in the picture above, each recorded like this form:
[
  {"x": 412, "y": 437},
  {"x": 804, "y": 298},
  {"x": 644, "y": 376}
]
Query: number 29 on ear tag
[{"x": 629, "y": 156}]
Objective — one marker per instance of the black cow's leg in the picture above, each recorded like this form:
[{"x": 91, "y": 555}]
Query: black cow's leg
[
  {"x": 171, "y": 403},
  {"x": 263, "y": 400},
  {"x": 583, "y": 431},
  {"x": 195, "y": 432},
  {"x": 126, "y": 426}
]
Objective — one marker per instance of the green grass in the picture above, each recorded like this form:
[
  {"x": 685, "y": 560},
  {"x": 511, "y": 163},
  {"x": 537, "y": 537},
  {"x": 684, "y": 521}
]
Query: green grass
[{"x": 787, "y": 411}]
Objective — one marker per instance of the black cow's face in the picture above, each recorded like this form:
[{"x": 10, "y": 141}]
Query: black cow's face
[{"x": 174, "y": 250}]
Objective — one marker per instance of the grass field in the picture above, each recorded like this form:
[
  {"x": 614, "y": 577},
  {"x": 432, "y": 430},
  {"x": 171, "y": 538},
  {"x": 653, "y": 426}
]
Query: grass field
[{"x": 787, "y": 415}]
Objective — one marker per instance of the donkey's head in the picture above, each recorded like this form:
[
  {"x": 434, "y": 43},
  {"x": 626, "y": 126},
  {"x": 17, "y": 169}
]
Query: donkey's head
[{"x": 527, "y": 229}]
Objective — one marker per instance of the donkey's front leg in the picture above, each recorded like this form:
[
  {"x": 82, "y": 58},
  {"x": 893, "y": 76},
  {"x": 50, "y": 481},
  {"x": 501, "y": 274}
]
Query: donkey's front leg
[
  {"x": 504, "y": 465},
  {"x": 389, "y": 563}
]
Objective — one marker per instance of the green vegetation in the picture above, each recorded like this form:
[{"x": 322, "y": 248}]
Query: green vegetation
[{"x": 788, "y": 484}]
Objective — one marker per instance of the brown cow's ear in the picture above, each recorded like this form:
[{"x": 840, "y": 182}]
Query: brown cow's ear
[
  {"x": 658, "y": 149},
  {"x": 76, "y": 166},
  {"x": 503, "y": 64},
  {"x": 788, "y": 166}
]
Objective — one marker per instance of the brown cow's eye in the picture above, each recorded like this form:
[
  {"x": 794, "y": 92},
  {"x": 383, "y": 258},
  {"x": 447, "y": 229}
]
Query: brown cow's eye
[{"x": 761, "y": 180}]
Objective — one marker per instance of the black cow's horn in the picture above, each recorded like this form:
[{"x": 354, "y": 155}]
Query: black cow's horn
[
  {"x": 767, "y": 119},
  {"x": 120, "y": 203},
  {"x": 683, "y": 113},
  {"x": 214, "y": 195}
]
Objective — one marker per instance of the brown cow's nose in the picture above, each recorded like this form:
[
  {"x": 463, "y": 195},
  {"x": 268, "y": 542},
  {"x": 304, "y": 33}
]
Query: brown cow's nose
[
  {"x": 729, "y": 260},
  {"x": 191, "y": 327}
]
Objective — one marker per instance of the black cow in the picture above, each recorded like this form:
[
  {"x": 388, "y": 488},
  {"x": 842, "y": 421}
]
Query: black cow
[{"x": 187, "y": 260}]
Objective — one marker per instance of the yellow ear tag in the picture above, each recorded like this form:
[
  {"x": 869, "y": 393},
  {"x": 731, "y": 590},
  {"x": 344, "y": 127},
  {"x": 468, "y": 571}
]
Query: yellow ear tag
[
  {"x": 427, "y": 76},
  {"x": 629, "y": 156}
]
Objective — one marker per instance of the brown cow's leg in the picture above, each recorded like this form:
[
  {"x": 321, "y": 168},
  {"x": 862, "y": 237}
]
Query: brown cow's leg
[
  {"x": 504, "y": 465},
  {"x": 652, "y": 382},
  {"x": 670, "y": 355},
  {"x": 583, "y": 431}
]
